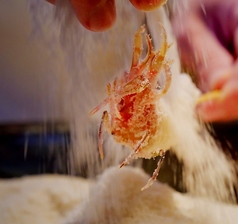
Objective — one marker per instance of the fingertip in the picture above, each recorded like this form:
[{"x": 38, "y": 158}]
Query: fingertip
[
  {"x": 147, "y": 5},
  {"x": 223, "y": 109},
  {"x": 97, "y": 22},
  {"x": 209, "y": 106},
  {"x": 97, "y": 15},
  {"x": 100, "y": 20},
  {"x": 209, "y": 112}
]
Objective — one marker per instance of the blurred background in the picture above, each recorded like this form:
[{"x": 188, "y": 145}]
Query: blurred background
[{"x": 34, "y": 134}]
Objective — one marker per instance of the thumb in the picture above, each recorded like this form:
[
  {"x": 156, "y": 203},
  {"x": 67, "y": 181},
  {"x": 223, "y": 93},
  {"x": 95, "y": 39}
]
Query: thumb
[
  {"x": 95, "y": 15},
  {"x": 224, "y": 107}
]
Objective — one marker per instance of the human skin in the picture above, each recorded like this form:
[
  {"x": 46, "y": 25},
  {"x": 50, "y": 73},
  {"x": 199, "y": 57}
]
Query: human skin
[
  {"x": 207, "y": 35},
  {"x": 100, "y": 15}
]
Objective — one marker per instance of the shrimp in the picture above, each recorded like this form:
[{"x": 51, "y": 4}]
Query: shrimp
[{"x": 134, "y": 118}]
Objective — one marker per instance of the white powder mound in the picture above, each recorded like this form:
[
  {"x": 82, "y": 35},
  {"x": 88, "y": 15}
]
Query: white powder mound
[
  {"x": 44, "y": 199},
  {"x": 92, "y": 60},
  {"x": 114, "y": 198}
]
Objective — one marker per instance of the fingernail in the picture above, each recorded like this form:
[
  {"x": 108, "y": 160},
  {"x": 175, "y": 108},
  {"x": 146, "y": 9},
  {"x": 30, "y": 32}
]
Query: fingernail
[{"x": 213, "y": 95}]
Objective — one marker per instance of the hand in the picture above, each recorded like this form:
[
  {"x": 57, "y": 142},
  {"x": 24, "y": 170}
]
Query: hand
[
  {"x": 99, "y": 15},
  {"x": 207, "y": 34}
]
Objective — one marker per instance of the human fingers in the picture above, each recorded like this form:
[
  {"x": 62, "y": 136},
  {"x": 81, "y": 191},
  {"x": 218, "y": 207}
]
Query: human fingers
[
  {"x": 99, "y": 15},
  {"x": 221, "y": 105},
  {"x": 200, "y": 49},
  {"x": 95, "y": 15},
  {"x": 147, "y": 5},
  {"x": 220, "y": 110}
]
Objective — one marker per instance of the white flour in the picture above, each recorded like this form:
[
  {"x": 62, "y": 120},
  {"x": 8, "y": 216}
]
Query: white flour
[{"x": 86, "y": 61}]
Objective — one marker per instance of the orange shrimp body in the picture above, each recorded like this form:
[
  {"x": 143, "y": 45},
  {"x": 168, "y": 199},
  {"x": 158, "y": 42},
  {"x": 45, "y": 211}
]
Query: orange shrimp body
[{"x": 134, "y": 118}]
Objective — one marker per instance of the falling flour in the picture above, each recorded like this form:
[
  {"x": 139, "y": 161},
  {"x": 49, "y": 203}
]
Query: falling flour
[{"x": 86, "y": 61}]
